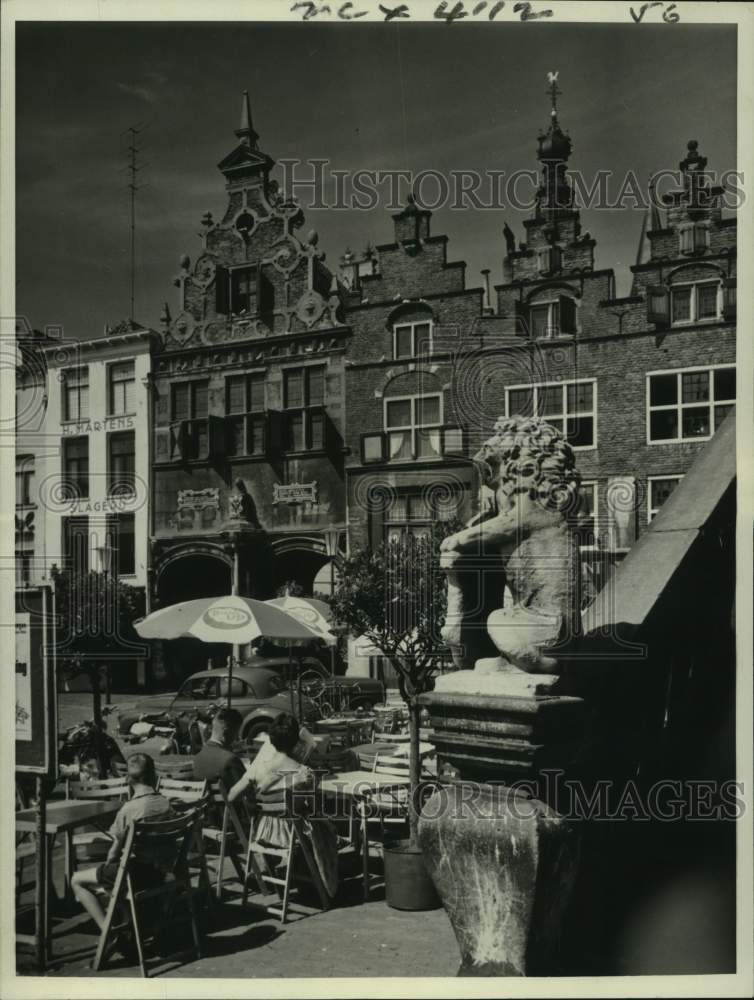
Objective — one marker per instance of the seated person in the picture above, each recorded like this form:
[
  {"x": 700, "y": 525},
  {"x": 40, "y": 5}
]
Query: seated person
[
  {"x": 145, "y": 804},
  {"x": 216, "y": 758},
  {"x": 274, "y": 769}
]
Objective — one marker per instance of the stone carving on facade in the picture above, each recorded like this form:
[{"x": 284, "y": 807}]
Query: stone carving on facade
[
  {"x": 524, "y": 541},
  {"x": 197, "y": 508},
  {"x": 241, "y": 506}
]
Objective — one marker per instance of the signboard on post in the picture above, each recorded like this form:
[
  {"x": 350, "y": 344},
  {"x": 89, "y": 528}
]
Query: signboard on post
[{"x": 36, "y": 704}]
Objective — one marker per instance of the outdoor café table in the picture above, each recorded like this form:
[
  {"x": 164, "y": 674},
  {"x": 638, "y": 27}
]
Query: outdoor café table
[
  {"x": 355, "y": 786},
  {"x": 64, "y": 816}
]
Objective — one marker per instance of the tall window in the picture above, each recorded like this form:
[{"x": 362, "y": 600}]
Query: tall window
[
  {"x": 76, "y": 467},
  {"x": 189, "y": 404},
  {"x": 121, "y": 388},
  {"x": 569, "y": 406},
  {"x": 690, "y": 404},
  {"x": 414, "y": 513},
  {"x": 121, "y": 462},
  {"x": 24, "y": 478},
  {"x": 245, "y": 422},
  {"x": 303, "y": 399},
  {"x": 545, "y": 320},
  {"x": 76, "y": 544},
  {"x": 243, "y": 290},
  {"x": 659, "y": 489},
  {"x": 413, "y": 426},
  {"x": 76, "y": 394},
  {"x": 693, "y": 239},
  {"x": 120, "y": 541},
  {"x": 412, "y": 339},
  {"x": 694, "y": 302}
]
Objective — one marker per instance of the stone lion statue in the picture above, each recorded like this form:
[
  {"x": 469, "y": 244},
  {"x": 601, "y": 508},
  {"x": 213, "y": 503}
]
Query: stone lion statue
[{"x": 523, "y": 543}]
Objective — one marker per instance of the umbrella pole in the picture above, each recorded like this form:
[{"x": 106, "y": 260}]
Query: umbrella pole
[
  {"x": 290, "y": 676},
  {"x": 230, "y": 672}
]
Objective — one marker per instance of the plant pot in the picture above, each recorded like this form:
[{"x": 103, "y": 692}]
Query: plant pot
[{"x": 408, "y": 885}]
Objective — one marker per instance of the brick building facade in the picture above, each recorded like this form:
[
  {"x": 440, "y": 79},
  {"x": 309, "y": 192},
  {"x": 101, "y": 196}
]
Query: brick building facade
[
  {"x": 636, "y": 383},
  {"x": 249, "y": 401}
]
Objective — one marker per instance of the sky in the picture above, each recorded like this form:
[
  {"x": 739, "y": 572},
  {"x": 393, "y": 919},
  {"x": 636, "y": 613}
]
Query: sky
[{"x": 377, "y": 96}]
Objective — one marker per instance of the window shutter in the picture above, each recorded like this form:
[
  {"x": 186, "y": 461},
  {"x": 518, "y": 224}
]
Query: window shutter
[
  {"x": 658, "y": 305},
  {"x": 217, "y": 437},
  {"x": 372, "y": 448},
  {"x": 729, "y": 298},
  {"x": 567, "y": 308},
  {"x": 522, "y": 319},
  {"x": 275, "y": 432},
  {"x": 266, "y": 298},
  {"x": 222, "y": 290},
  {"x": 178, "y": 440}
]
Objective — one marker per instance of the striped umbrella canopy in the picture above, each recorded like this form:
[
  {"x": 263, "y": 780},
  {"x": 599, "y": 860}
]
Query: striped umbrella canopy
[
  {"x": 315, "y": 614},
  {"x": 232, "y": 619}
]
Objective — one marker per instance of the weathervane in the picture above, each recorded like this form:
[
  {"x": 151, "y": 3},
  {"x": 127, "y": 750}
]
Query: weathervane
[{"x": 553, "y": 91}]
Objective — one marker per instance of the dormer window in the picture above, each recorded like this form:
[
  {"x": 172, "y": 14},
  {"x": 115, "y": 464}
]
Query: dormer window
[
  {"x": 693, "y": 239},
  {"x": 556, "y": 318},
  {"x": 412, "y": 339},
  {"x": 699, "y": 301},
  {"x": 244, "y": 290},
  {"x": 548, "y": 260}
]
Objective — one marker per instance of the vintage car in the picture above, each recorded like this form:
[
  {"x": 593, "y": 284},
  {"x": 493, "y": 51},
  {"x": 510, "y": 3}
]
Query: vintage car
[
  {"x": 339, "y": 693},
  {"x": 260, "y": 694}
]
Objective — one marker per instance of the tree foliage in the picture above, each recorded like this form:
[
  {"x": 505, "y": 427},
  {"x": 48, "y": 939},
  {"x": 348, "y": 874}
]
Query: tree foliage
[
  {"x": 395, "y": 596},
  {"x": 95, "y": 612}
]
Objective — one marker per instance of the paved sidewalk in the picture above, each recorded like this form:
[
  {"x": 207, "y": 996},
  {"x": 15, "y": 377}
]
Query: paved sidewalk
[{"x": 352, "y": 940}]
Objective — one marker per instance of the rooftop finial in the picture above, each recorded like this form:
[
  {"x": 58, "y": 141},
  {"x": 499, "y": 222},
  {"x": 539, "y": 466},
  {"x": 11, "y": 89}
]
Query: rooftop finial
[
  {"x": 553, "y": 91},
  {"x": 246, "y": 132}
]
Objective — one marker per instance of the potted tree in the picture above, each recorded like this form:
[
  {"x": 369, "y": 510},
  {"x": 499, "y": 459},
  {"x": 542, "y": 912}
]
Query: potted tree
[{"x": 395, "y": 597}]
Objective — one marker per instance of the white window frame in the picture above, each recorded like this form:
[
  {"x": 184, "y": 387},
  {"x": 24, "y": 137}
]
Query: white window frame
[
  {"x": 679, "y": 406},
  {"x": 553, "y": 329},
  {"x": 695, "y": 228},
  {"x": 594, "y": 485},
  {"x": 82, "y": 417},
  {"x": 564, "y": 385},
  {"x": 111, "y": 412},
  {"x": 653, "y": 511},
  {"x": 694, "y": 306},
  {"x": 413, "y": 427},
  {"x": 412, "y": 324}
]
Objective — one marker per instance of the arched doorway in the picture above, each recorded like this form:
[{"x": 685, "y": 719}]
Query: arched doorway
[
  {"x": 186, "y": 576},
  {"x": 298, "y": 561}
]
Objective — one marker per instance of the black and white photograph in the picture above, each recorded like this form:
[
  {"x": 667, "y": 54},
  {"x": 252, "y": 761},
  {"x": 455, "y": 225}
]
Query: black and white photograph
[{"x": 381, "y": 553}]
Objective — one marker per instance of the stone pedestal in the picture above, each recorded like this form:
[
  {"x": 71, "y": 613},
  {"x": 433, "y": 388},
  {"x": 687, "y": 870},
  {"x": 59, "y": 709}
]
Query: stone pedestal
[
  {"x": 504, "y": 866},
  {"x": 505, "y": 738}
]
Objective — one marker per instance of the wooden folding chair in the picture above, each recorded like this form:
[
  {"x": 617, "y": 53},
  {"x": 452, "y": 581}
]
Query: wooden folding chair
[
  {"x": 229, "y": 835},
  {"x": 176, "y": 766},
  {"x": 279, "y": 805},
  {"x": 93, "y": 845},
  {"x": 169, "y": 843}
]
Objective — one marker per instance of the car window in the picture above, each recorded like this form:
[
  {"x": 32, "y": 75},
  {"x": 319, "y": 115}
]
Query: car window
[
  {"x": 238, "y": 689},
  {"x": 196, "y": 688},
  {"x": 274, "y": 685}
]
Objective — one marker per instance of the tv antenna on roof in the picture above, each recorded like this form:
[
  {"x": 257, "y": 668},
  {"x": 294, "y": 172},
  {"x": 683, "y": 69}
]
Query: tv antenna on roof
[{"x": 133, "y": 167}]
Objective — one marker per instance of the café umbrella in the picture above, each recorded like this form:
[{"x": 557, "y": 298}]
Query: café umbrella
[
  {"x": 232, "y": 619},
  {"x": 317, "y": 616}
]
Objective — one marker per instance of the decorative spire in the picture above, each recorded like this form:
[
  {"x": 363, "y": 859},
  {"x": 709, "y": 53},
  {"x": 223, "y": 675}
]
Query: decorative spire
[
  {"x": 246, "y": 132},
  {"x": 555, "y": 191},
  {"x": 554, "y": 92}
]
